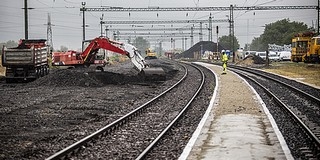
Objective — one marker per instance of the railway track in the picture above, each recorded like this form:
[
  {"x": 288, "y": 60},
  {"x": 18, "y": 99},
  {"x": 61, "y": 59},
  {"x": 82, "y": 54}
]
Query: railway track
[
  {"x": 295, "y": 107},
  {"x": 145, "y": 126}
]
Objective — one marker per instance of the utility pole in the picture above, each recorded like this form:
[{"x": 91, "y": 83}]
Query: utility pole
[
  {"x": 210, "y": 28},
  {"x": 182, "y": 44},
  {"x": 185, "y": 43},
  {"x": 232, "y": 32},
  {"x": 160, "y": 48},
  {"x": 101, "y": 21},
  {"x": 200, "y": 34},
  {"x": 191, "y": 36},
  {"x": 318, "y": 16},
  {"x": 217, "y": 39},
  {"x": 26, "y": 19},
  {"x": 83, "y": 9}
]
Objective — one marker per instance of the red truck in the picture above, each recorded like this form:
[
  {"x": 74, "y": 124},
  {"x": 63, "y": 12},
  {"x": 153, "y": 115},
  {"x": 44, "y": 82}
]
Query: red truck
[{"x": 27, "y": 61}]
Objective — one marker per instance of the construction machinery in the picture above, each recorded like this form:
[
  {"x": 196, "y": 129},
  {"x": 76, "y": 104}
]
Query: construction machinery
[
  {"x": 305, "y": 48},
  {"x": 27, "y": 61},
  {"x": 88, "y": 57},
  {"x": 313, "y": 53},
  {"x": 150, "y": 54}
]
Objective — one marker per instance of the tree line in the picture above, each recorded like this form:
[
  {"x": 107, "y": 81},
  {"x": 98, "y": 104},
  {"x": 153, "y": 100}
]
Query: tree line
[{"x": 280, "y": 33}]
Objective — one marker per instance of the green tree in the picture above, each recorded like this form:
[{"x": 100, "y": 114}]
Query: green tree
[
  {"x": 226, "y": 42},
  {"x": 256, "y": 44},
  {"x": 279, "y": 32},
  {"x": 142, "y": 44}
]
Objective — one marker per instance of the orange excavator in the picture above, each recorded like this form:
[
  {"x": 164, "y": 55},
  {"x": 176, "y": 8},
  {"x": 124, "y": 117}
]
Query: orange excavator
[{"x": 88, "y": 57}]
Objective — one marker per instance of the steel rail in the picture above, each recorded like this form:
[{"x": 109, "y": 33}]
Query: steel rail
[
  {"x": 64, "y": 153},
  {"x": 175, "y": 120},
  {"x": 315, "y": 139},
  {"x": 309, "y": 96}
]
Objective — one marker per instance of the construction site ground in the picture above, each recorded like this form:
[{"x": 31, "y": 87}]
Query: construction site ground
[{"x": 36, "y": 116}]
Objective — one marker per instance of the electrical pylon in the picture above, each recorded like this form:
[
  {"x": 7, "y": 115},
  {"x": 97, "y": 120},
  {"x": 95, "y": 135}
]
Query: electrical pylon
[{"x": 49, "y": 34}]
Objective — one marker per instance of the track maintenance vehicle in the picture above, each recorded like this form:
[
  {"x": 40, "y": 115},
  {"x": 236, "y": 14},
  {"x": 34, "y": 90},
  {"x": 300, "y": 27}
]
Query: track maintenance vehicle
[
  {"x": 150, "y": 54},
  {"x": 88, "y": 57},
  {"x": 28, "y": 61},
  {"x": 305, "y": 48}
]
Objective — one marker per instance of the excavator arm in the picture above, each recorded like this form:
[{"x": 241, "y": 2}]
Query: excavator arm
[
  {"x": 129, "y": 50},
  {"x": 88, "y": 55}
]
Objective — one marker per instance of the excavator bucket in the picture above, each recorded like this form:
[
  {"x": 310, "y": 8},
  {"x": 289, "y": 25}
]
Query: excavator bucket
[{"x": 153, "y": 74}]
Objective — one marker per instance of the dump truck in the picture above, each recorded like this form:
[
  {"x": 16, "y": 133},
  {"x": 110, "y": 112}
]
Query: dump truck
[{"x": 28, "y": 61}]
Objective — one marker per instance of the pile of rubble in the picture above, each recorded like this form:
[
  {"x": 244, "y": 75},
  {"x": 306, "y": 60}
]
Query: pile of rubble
[{"x": 251, "y": 59}]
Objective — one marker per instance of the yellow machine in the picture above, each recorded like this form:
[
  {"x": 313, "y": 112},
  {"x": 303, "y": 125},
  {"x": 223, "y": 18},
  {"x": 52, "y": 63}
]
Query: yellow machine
[
  {"x": 305, "y": 48},
  {"x": 300, "y": 46},
  {"x": 313, "y": 53},
  {"x": 150, "y": 54}
]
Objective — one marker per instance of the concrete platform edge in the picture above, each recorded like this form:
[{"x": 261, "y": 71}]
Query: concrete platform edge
[
  {"x": 197, "y": 132},
  {"x": 283, "y": 143}
]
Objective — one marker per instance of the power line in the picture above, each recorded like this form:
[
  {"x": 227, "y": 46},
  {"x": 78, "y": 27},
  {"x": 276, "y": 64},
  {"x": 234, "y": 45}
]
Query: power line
[
  {"x": 166, "y": 9},
  {"x": 163, "y": 21},
  {"x": 152, "y": 29}
]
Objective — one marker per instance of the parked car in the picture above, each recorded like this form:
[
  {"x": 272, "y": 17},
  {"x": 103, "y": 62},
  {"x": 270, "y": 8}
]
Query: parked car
[
  {"x": 273, "y": 56},
  {"x": 285, "y": 55}
]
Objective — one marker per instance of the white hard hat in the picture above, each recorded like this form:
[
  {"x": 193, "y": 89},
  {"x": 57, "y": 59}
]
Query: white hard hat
[{"x": 223, "y": 51}]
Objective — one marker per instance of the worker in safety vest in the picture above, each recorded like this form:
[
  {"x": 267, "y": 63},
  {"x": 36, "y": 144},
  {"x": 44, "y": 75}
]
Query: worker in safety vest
[{"x": 224, "y": 61}]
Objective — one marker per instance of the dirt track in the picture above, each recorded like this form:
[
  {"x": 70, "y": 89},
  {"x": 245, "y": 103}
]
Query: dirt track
[{"x": 36, "y": 117}]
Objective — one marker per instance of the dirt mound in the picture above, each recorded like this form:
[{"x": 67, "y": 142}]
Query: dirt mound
[{"x": 252, "y": 59}]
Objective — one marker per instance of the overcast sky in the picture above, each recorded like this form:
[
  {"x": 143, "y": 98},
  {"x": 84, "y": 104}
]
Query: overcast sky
[{"x": 67, "y": 18}]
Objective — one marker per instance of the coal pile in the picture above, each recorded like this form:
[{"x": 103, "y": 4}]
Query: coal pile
[
  {"x": 67, "y": 77},
  {"x": 115, "y": 78},
  {"x": 205, "y": 45},
  {"x": 114, "y": 75}
]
